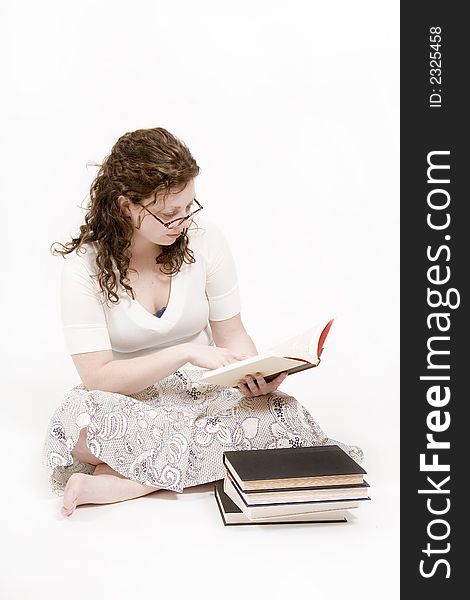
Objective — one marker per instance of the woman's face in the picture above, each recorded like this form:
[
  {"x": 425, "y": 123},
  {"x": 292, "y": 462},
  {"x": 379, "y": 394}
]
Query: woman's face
[{"x": 176, "y": 205}]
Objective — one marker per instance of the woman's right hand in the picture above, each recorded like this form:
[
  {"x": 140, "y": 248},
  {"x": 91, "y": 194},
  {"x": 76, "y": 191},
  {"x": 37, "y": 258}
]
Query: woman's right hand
[{"x": 213, "y": 357}]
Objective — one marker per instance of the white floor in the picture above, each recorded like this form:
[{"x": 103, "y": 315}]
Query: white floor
[
  {"x": 176, "y": 544},
  {"x": 271, "y": 77}
]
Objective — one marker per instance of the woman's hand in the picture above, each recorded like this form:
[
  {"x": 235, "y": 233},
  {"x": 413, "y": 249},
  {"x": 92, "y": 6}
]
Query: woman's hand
[
  {"x": 213, "y": 357},
  {"x": 255, "y": 385}
]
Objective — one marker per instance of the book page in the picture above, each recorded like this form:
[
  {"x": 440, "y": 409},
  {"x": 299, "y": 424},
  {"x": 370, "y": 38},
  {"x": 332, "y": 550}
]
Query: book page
[{"x": 302, "y": 345}]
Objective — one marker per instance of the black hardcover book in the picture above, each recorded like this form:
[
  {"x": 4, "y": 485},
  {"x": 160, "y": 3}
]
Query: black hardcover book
[
  {"x": 281, "y": 468},
  {"x": 232, "y": 515}
]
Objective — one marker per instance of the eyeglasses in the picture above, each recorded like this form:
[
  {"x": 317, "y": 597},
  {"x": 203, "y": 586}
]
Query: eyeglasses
[{"x": 176, "y": 222}]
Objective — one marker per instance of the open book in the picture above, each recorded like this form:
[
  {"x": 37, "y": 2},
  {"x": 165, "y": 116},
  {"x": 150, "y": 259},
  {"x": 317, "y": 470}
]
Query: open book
[{"x": 300, "y": 352}]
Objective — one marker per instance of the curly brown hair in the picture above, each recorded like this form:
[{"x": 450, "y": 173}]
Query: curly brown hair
[{"x": 142, "y": 163}]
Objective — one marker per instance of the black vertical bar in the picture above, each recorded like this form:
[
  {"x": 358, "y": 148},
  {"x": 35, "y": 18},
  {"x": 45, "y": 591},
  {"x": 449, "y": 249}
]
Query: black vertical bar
[{"x": 433, "y": 119}]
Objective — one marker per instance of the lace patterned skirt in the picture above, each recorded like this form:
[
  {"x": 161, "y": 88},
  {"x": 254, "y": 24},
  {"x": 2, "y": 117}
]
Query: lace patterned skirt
[{"x": 172, "y": 435}]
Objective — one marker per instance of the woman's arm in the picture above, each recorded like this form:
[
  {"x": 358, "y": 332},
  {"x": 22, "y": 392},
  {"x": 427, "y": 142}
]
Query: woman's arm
[
  {"x": 98, "y": 370},
  {"x": 231, "y": 334}
]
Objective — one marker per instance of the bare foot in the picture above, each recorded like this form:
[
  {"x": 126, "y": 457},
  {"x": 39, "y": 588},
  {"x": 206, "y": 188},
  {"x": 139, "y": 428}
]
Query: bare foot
[
  {"x": 104, "y": 469},
  {"x": 88, "y": 489}
]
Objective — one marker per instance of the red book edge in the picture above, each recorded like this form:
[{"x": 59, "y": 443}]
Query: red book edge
[{"x": 323, "y": 335}]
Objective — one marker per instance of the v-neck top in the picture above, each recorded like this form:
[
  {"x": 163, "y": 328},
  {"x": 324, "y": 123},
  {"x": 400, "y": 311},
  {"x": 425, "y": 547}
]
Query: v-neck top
[{"x": 203, "y": 291}]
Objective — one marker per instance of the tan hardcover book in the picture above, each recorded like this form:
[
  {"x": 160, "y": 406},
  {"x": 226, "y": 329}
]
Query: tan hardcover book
[
  {"x": 306, "y": 494},
  {"x": 287, "y": 509},
  {"x": 232, "y": 515}
]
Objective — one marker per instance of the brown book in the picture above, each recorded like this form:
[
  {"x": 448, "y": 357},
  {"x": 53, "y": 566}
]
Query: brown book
[{"x": 293, "y": 468}]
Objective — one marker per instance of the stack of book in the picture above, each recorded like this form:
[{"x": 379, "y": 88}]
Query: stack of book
[{"x": 314, "y": 484}]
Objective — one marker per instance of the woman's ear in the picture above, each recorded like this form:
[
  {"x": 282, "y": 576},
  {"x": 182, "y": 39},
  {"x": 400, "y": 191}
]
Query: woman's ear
[{"x": 124, "y": 204}]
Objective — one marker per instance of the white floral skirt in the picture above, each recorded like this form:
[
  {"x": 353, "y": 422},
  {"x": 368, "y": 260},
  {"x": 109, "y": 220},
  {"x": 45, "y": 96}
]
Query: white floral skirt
[{"x": 172, "y": 435}]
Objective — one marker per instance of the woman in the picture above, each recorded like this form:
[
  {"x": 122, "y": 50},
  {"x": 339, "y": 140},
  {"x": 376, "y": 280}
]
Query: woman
[{"x": 149, "y": 301}]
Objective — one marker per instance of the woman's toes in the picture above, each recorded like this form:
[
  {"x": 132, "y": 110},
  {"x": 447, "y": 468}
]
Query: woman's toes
[
  {"x": 66, "y": 512},
  {"x": 72, "y": 493}
]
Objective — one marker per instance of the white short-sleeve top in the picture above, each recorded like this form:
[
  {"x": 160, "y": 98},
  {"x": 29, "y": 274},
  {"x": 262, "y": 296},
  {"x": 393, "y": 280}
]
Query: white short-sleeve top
[{"x": 201, "y": 291}]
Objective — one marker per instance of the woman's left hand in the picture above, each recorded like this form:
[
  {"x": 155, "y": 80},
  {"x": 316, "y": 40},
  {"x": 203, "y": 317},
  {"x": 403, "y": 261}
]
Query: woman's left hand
[{"x": 255, "y": 385}]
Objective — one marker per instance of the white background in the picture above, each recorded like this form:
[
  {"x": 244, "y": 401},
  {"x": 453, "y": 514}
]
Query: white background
[{"x": 291, "y": 111}]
